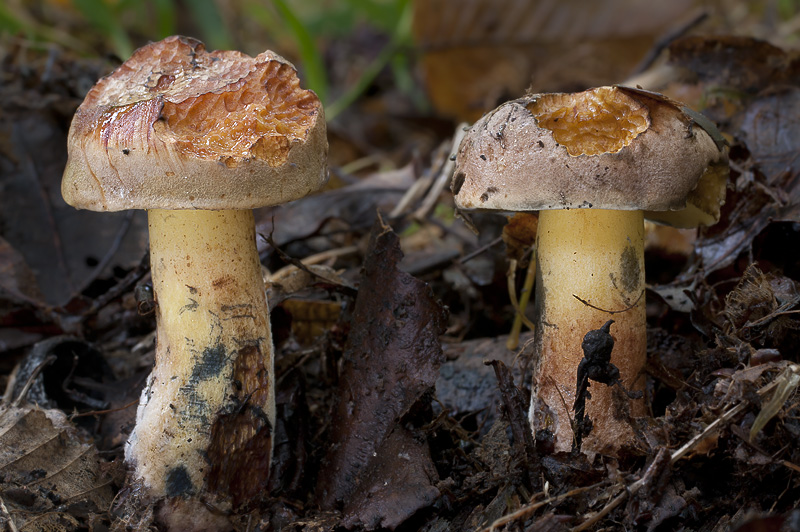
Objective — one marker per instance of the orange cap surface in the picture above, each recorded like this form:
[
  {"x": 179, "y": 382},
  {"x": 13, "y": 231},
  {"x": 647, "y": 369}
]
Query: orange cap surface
[{"x": 178, "y": 127}]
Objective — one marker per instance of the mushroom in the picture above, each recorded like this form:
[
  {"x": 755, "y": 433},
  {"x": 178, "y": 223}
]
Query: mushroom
[
  {"x": 594, "y": 164},
  {"x": 199, "y": 139}
]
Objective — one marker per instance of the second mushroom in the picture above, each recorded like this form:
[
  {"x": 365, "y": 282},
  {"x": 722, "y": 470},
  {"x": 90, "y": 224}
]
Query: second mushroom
[{"x": 594, "y": 164}]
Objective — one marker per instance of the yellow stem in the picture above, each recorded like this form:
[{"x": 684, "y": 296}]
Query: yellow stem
[
  {"x": 597, "y": 256},
  {"x": 213, "y": 375}
]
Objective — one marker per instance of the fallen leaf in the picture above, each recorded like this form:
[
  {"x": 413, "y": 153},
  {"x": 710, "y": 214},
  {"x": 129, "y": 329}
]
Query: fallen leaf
[
  {"x": 391, "y": 358},
  {"x": 787, "y": 383},
  {"x": 62, "y": 245},
  {"x": 50, "y": 479},
  {"x": 771, "y": 130},
  {"x": 739, "y": 61},
  {"x": 16, "y": 277},
  {"x": 752, "y": 88},
  {"x": 62, "y": 372},
  {"x": 396, "y": 486}
]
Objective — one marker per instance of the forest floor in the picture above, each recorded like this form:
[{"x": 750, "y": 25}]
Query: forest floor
[{"x": 440, "y": 441}]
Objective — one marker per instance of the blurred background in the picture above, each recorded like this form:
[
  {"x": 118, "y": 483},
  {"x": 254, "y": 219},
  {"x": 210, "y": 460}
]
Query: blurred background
[
  {"x": 396, "y": 78},
  {"x": 455, "y": 58}
]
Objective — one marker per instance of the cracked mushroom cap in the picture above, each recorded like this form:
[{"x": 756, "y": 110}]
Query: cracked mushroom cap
[
  {"x": 178, "y": 127},
  {"x": 611, "y": 148}
]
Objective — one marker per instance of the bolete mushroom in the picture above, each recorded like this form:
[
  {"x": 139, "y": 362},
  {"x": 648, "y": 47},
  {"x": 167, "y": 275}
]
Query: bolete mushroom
[
  {"x": 199, "y": 139},
  {"x": 594, "y": 164}
]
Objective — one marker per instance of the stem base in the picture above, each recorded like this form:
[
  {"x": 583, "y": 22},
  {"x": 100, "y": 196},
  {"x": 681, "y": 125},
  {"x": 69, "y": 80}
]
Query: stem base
[{"x": 597, "y": 256}]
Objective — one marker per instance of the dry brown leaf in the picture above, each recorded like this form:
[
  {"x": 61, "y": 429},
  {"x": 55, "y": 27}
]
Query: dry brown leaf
[
  {"x": 63, "y": 246},
  {"x": 51, "y": 480},
  {"x": 392, "y": 357},
  {"x": 16, "y": 278},
  {"x": 787, "y": 382}
]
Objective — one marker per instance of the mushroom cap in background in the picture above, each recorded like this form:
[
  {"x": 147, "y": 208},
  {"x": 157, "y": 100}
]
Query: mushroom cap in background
[
  {"x": 612, "y": 148},
  {"x": 178, "y": 127}
]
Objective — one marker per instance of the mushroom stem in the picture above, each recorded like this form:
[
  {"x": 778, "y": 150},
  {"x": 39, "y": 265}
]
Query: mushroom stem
[
  {"x": 597, "y": 256},
  {"x": 204, "y": 423}
]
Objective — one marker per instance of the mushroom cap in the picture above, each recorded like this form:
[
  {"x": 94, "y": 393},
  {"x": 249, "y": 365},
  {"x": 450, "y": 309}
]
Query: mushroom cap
[
  {"x": 611, "y": 148},
  {"x": 178, "y": 127}
]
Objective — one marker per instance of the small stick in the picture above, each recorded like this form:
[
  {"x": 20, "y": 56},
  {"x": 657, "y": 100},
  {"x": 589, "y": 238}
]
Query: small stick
[
  {"x": 413, "y": 193},
  {"x": 112, "y": 251},
  {"x": 532, "y": 507},
  {"x": 519, "y": 316},
  {"x": 107, "y": 411},
  {"x": 134, "y": 276},
  {"x": 314, "y": 259},
  {"x": 610, "y": 311},
  {"x": 674, "y": 457},
  {"x": 472, "y": 254},
  {"x": 11, "y": 525},
  {"x": 670, "y": 37},
  {"x": 511, "y": 281},
  {"x": 443, "y": 178}
]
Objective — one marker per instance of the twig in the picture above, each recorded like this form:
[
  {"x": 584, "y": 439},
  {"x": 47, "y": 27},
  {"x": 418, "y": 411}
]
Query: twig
[
  {"x": 443, "y": 178},
  {"x": 414, "y": 192},
  {"x": 777, "y": 312},
  {"x": 519, "y": 314},
  {"x": 668, "y": 39},
  {"x": 11, "y": 525},
  {"x": 117, "y": 290},
  {"x": 532, "y": 507},
  {"x": 112, "y": 250},
  {"x": 674, "y": 457},
  {"x": 359, "y": 164},
  {"x": 610, "y": 311},
  {"x": 472, "y": 254},
  {"x": 314, "y": 259},
  {"x": 299, "y": 264},
  {"x": 511, "y": 283},
  {"x": 107, "y": 411}
]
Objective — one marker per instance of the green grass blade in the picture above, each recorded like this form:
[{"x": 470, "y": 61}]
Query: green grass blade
[
  {"x": 206, "y": 14},
  {"x": 316, "y": 78},
  {"x": 100, "y": 15},
  {"x": 166, "y": 16},
  {"x": 9, "y": 23},
  {"x": 399, "y": 37}
]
